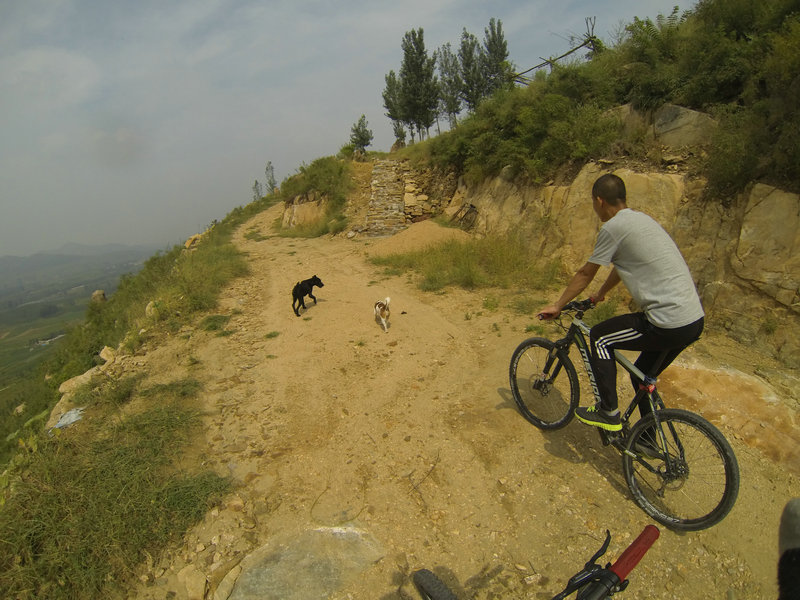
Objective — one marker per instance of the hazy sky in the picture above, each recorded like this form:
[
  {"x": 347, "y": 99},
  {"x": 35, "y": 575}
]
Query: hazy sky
[{"x": 142, "y": 121}]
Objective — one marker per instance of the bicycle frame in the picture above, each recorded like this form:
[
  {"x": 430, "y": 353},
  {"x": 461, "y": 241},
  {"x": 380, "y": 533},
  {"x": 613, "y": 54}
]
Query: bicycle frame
[{"x": 577, "y": 334}]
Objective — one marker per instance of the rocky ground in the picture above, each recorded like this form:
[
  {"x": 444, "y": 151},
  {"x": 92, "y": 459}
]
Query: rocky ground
[{"x": 408, "y": 444}]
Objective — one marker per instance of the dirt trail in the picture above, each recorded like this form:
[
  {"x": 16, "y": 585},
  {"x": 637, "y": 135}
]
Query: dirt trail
[{"x": 412, "y": 435}]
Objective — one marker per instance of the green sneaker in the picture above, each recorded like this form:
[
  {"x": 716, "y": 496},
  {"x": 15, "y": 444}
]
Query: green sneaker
[{"x": 594, "y": 415}]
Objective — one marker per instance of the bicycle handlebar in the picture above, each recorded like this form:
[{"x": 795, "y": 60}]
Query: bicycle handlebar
[
  {"x": 597, "y": 583},
  {"x": 634, "y": 553},
  {"x": 613, "y": 578},
  {"x": 580, "y": 305}
]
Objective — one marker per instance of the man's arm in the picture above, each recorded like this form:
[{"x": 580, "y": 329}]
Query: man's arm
[
  {"x": 582, "y": 278},
  {"x": 612, "y": 280}
]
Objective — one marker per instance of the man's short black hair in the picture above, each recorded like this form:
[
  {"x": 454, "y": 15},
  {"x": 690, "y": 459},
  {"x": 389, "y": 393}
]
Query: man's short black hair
[{"x": 610, "y": 188}]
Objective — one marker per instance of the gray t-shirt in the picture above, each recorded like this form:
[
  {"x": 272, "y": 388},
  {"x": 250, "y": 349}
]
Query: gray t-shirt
[{"x": 651, "y": 267}]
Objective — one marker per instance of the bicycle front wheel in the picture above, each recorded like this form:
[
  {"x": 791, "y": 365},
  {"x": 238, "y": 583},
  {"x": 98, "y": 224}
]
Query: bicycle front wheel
[
  {"x": 544, "y": 383},
  {"x": 430, "y": 587},
  {"x": 690, "y": 484}
]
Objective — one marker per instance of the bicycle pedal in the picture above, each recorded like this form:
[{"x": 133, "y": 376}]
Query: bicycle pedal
[{"x": 607, "y": 437}]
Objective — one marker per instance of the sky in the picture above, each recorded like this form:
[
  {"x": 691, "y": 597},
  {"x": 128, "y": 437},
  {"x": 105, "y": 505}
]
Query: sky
[{"x": 141, "y": 122}]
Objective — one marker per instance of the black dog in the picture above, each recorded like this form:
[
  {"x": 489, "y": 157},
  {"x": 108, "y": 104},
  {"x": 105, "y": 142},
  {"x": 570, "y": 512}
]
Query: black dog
[{"x": 304, "y": 288}]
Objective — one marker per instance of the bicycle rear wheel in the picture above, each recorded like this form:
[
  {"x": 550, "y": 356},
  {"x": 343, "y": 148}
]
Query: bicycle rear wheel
[
  {"x": 430, "y": 587},
  {"x": 544, "y": 383},
  {"x": 691, "y": 484}
]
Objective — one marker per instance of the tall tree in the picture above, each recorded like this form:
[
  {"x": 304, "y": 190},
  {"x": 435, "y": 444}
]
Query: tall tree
[
  {"x": 269, "y": 173},
  {"x": 361, "y": 135},
  {"x": 419, "y": 87},
  {"x": 391, "y": 98},
  {"x": 393, "y": 106},
  {"x": 257, "y": 193},
  {"x": 498, "y": 72},
  {"x": 470, "y": 59},
  {"x": 450, "y": 83}
]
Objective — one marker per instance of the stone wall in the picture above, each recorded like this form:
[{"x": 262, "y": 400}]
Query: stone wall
[{"x": 426, "y": 193}]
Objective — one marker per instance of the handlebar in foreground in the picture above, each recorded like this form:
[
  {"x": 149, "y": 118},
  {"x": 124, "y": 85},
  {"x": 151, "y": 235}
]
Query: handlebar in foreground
[
  {"x": 634, "y": 553},
  {"x": 597, "y": 583}
]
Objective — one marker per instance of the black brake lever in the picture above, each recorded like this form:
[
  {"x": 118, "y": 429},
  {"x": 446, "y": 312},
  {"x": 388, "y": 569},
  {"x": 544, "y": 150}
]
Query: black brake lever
[
  {"x": 602, "y": 549},
  {"x": 590, "y": 569}
]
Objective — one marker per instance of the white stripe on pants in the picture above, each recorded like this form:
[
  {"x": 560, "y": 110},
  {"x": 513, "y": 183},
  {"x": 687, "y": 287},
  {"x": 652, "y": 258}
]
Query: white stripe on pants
[{"x": 618, "y": 336}]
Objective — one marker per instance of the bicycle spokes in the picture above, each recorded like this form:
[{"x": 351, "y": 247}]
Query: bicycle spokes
[{"x": 681, "y": 470}]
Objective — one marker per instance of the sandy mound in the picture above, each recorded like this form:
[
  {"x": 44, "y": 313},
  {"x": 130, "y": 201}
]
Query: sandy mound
[{"x": 416, "y": 237}]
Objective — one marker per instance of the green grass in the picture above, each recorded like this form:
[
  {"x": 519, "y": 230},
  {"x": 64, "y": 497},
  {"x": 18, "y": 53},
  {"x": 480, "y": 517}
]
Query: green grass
[
  {"x": 494, "y": 261},
  {"x": 526, "y": 305},
  {"x": 96, "y": 497},
  {"x": 18, "y": 347},
  {"x": 255, "y": 236},
  {"x": 182, "y": 388},
  {"x": 491, "y": 303},
  {"x": 180, "y": 283},
  {"x": 214, "y": 322},
  {"x": 601, "y": 312}
]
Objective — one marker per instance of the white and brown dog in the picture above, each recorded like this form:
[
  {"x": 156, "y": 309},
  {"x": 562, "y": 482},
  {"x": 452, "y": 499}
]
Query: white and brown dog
[{"x": 382, "y": 313}]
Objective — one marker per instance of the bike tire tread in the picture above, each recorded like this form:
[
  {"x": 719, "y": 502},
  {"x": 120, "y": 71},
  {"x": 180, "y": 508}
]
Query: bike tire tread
[
  {"x": 732, "y": 475},
  {"x": 566, "y": 366},
  {"x": 431, "y": 587}
]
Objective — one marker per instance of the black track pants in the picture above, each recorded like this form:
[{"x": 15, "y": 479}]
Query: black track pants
[{"x": 635, "y": 332}]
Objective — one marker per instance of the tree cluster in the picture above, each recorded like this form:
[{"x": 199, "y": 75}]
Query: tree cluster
[
  {"x": 428, "y": 87},
  {"x": 734, "y": 59}
]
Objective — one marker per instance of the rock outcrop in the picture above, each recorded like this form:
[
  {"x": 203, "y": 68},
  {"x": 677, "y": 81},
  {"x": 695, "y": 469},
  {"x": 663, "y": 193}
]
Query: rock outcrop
[
  {"x": 301, "y": 210},
  {"x": 744, "y": 256}
]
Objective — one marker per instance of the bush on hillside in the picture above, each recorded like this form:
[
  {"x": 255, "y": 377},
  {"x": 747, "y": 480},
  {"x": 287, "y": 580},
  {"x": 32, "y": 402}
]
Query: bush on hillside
[{"x": 330, "y": 177}]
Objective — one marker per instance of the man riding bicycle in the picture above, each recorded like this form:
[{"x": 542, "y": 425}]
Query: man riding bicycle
[{"x": 647, "y": 261}]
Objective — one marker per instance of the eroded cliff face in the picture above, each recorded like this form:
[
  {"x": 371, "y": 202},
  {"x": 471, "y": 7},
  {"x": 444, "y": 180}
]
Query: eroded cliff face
[
  {"x": 744, "y": 257},
  {"x": 302, "y": 210}
]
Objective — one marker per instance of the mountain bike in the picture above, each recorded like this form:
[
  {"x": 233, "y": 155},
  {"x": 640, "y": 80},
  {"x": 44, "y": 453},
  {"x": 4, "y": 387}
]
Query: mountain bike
[
  {"x": 679, "y": 467},
  {"x": 593, "y": 582}
]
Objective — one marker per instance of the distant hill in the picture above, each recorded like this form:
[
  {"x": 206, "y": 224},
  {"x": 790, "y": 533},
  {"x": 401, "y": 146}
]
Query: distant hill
[
  {"x": 42, "y": 295},
  {"x": 45, "y": 275}
]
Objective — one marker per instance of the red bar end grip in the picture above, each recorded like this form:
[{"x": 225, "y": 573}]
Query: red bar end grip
[{"x": 634, "y": 553}]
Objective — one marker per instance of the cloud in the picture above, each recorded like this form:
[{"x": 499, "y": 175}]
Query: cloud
[
  {"x": 117, "y": 147},
  {"x": 165, "y": 112},
  {"x": 45, "y": 79}
]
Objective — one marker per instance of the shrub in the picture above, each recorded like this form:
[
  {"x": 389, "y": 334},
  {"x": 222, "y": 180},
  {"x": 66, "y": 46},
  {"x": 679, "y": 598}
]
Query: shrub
[
  {"x": 332, "y": 178},
  {"x": 731, "y": 164},
  {"x": 329, "y": 176}
]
